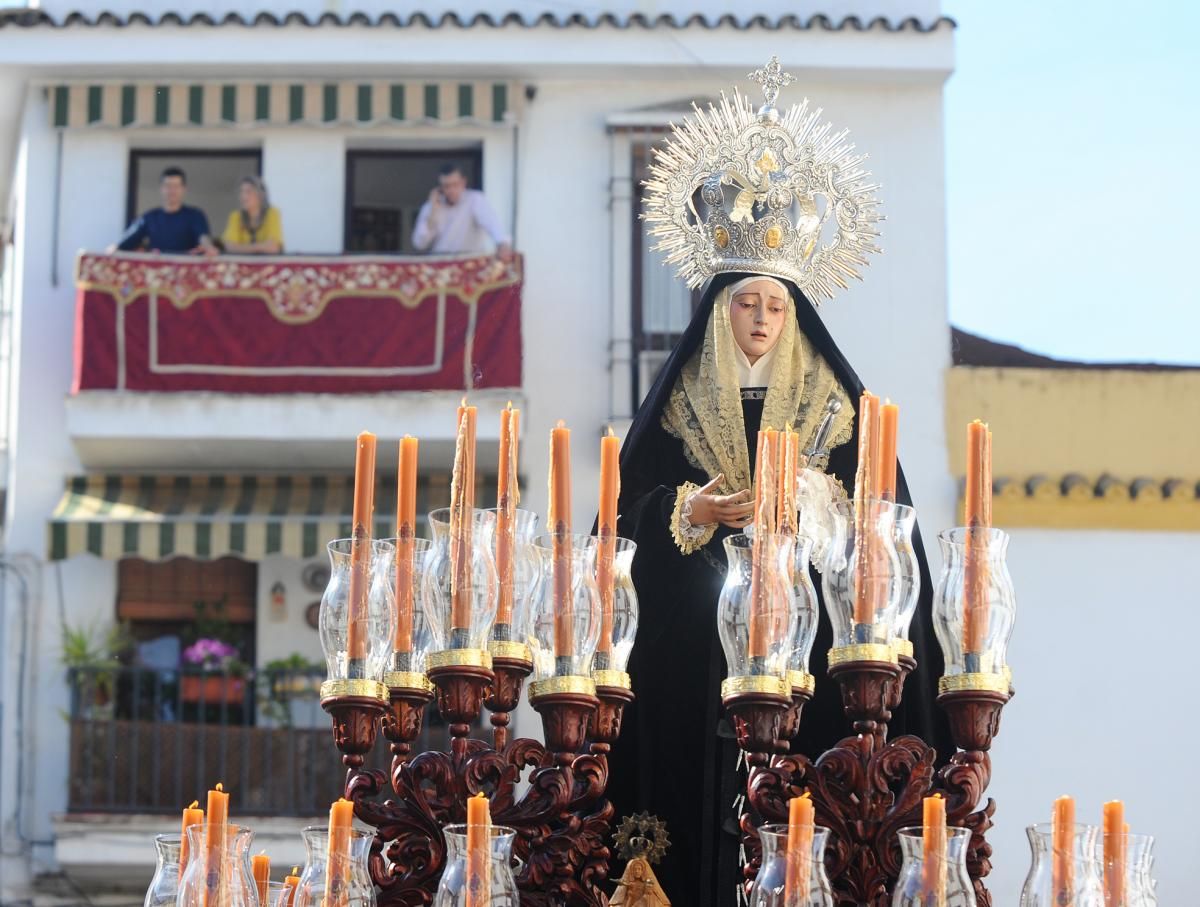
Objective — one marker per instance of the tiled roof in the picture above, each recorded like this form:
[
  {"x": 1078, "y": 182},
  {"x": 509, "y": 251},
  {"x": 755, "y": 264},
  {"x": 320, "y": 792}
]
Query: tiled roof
[
  {"x": 1076, "y": 501},
  {"x": 563, "y": 18},
  {"x": 973, "y": 350}
]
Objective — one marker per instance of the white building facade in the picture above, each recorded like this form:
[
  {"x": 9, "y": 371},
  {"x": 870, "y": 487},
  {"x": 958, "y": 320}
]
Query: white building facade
[{"x": 555, "y": 107}]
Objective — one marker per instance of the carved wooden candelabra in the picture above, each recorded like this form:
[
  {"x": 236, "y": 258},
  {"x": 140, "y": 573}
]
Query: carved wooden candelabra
[
  {"x": 563, "y": 820},
  {"x": 866, "y": 788}
]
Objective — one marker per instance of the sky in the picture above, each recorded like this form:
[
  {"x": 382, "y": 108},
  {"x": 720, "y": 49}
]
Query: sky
[{"x": 1073, "y": 177}]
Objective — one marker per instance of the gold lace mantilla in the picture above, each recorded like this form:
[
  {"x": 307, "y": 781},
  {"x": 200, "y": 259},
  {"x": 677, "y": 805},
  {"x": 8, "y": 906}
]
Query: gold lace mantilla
[{"x": 705, "y": 407}]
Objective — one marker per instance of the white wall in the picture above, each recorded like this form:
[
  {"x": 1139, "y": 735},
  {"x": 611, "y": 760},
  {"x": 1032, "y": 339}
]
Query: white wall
[
  {"x": 39, "y": 458},
  {"x": 306, "y": 172},
  {"x": 281, "y": 638},
  {"x": 278, "y": 638},
  {"x": 80, "y": 594},
  {"x": 893, "y": 326},
  {"x": 1105, "y": 679}
]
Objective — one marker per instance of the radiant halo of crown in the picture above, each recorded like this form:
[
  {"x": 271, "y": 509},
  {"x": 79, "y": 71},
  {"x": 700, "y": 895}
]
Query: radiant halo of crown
[{"x": 762, "y": 191}]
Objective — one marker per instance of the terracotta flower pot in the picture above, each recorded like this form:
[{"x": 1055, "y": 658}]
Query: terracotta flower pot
[{"x": 215, "y": 689}]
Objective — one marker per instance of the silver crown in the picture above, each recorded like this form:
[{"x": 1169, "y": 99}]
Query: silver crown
[{"x": 764, "y": 192}]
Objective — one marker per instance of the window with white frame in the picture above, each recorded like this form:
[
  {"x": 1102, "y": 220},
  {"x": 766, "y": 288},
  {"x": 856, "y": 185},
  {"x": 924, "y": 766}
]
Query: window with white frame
[{"x": 662, "y": 304}]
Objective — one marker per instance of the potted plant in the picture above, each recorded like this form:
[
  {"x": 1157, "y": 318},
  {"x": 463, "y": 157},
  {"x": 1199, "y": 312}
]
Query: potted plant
[
  {"x": 285, "y": 679},
  {"x": 93, "y": 664},
  {"x": 219, "y": 675},
  {"x": 295, "y": 676}
]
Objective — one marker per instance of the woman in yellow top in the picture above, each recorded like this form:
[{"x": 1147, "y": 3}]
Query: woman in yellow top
[{"x": 256, "y": 227}]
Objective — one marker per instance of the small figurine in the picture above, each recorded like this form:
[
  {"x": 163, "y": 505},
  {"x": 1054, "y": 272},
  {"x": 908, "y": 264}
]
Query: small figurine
[
  {"x": 642, "y": 840},
  {"x": 638, "y": 887}
]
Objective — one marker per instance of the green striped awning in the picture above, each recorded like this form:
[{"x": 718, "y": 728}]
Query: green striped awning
[
  {"x": 134, "y": 105},
  {"x": 209, "y": 516}
]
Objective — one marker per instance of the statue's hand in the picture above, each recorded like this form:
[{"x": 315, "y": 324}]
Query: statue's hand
[{"x": 733, "y": 510}]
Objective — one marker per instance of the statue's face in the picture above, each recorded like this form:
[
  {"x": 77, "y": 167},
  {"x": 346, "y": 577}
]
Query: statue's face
[{"x": 757, "y": 314}]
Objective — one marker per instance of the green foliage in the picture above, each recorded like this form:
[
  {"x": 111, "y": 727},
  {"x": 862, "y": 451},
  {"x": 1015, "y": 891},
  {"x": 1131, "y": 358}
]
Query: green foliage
[
  {"x": 79, "y": 647},
  {"x": 284, "y": 679},
  {"x": 92, "y": 656},
  {"x": 294, "y": 662},
  {"x": 119, "y": 641},
  {"x": 210, "y": 622},
  {"x": 88, "y": 647}
]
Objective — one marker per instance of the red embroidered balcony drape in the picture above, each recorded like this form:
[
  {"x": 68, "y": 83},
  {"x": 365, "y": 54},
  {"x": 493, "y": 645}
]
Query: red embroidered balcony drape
[{"x": 282, "y": 325}]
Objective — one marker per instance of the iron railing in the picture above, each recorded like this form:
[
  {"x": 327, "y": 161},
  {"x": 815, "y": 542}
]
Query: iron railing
[{"x": 147, "y": 740}]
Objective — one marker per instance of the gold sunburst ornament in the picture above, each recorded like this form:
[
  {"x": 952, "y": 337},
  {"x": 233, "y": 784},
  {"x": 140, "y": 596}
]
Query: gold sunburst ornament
[
  {"x": 642, "y": 836},
  {"x": 764, "y": 192}
]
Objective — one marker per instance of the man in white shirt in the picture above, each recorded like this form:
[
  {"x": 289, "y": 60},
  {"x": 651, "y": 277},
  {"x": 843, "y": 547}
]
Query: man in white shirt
[{"x": 457, "y": 220}]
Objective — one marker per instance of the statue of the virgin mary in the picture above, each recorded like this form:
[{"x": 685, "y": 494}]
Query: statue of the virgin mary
[{"x": 769, "y": 211}]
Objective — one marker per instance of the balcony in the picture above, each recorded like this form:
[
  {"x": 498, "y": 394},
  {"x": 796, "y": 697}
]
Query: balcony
[
  {"x": 144, "y": 741},
  {"x": 181, "y": 359}
]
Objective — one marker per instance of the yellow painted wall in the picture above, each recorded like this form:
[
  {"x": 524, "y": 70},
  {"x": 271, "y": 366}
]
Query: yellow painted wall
[
  {"x": 1088, "y": 421},
  {"x": 1084, "y": 448}
]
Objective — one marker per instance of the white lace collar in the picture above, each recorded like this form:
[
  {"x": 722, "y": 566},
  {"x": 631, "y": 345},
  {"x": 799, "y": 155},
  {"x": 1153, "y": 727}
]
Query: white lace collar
[{"x": 757, "y": 375}]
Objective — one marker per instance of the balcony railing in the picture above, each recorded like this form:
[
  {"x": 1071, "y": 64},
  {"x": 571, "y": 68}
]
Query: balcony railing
[
  {"x": 147, "y": 741},
  {"x": 281, "y": 324}
]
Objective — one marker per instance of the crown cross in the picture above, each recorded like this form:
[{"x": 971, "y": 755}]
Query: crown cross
[{"x": 771, "y": 78}]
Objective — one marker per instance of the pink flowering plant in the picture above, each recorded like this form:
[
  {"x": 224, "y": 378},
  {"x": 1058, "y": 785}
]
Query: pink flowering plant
[{"x": 209, "y": 654}]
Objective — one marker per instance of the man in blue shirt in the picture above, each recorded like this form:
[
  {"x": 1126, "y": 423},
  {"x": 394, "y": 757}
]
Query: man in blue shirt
[{"x": 175, "y": 227}]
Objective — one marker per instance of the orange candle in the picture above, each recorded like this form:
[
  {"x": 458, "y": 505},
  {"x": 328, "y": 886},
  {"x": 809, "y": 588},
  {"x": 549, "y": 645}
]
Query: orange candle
[
  {"x": 290, "y": 884},
  {"x": 977, "y": 513},
  {"x": 889, "y": 420},
  {"x": 868, "y": 434},
  {"x": 610, "y": 490},
  {"x": 766, "y": 483},
  {"x": 972, "y": 495},
  {"x": 406, "y": 532},
  {"x": 216, "y": 822},
  {"x": 360, "y": 553},
  {"x": 192, "y": 815},
  {"x": 341, "y": 822},
  {"x": 1062, "y": 846},
  {"x": 987, "y": 479},
  {"x": 479, "y": 847},
  {"x": 764, "y": 516},
  {"x": 507, "y": 496},
  {"x": 865, "y": 490},
  {"x": 1114, "y": 854},
  {"x": 794, "y": 461},
  {"x": 260, "y": 867},
  {"x": 462, "y": 522},
  {"x": 788, "y": 460},
  {"x": 560, "y": 529},
  {"x": 471, "y": 415},
  {"x": 1125, "y": 844},
  {"x": 787, "y": 452},
  {"x": 801, "y": 817},
  {"x": 933, "y": 867}
]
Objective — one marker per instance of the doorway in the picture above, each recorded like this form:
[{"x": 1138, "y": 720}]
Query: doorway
[
  {"x": 212, "y": 179},
  {"x": 386, "y": 189}
]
